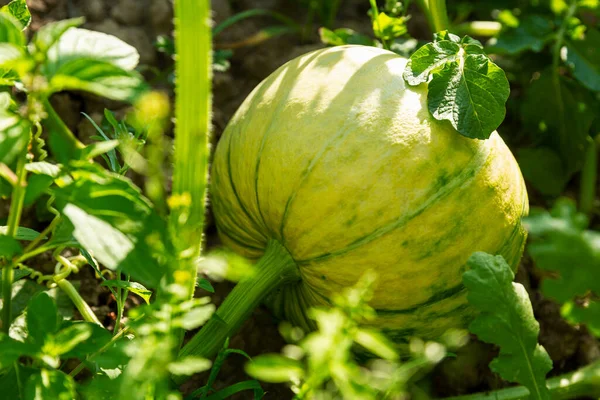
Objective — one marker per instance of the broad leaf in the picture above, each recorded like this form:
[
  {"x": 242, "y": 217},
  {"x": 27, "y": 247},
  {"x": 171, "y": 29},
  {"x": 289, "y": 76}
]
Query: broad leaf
[
  {"x": 14, "y": 137},
  {"x": 115, "y": 223},
  {"x": 42, "y": 317},
  {"x": 98, "y": 337},
  {"x": 50, "y": 384},
  {"x": 274, "y": 368},
  {"x": 19, "y": 10},
  {"x": 507, "y": 320},
  {"x": 531, "y": 33},
  {"x": 189, "y": 365},
  {"x": 67, "y": 339},
  {"x": 10, "y": 30},
  {"x": 82, "y": 43},
  {"x": 466, "y": 87},
  {"x": 22, "y": 233},
  {"x": 584, "y": 57},
  {"x": 98, "y": 77},
  {"x": 133, "y": 287}
]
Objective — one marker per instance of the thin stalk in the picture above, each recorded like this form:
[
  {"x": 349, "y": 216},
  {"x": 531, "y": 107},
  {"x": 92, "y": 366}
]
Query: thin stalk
[
  {"x": 14, "y": 217},
  {"x": 275, "y": 268},
  {"x": 585, "y": 382},
  {"x": 375, "y": 16},
  {"x": 424, "y": 6},
  {"x": 101, "y": 350},
  {"x": 83, "y": 307},
  {"x": 439, "y": 15},
  {"x": 587, "y": 193},
  {"x": 193, "y": 104}
]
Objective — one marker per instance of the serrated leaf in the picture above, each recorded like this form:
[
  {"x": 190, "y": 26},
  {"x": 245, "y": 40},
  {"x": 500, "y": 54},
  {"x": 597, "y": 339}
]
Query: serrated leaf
[
  {"x": 19, "y": 10},
  {"x": 470, "y": 94},
  {"x": 189, "y": 365},
  {"x": 50, "y": 33},
  {"x": 50, "y": 384},
  {"x": 561, "y": 243},
  {"x": 82, "y": 43},
  {"x": 506, "y": 319},
  {"x": 274, "y": 368},
  {"x": 531, "y": 33},
  {"x": 584, "y": 58},
  {"x": 10, "y": 30},
  {"x": 133, "y": 287},
  {"x": 14, "y": 136},
  {"x": 42, "y": 317},
  {"x": 22, "y": 233}
]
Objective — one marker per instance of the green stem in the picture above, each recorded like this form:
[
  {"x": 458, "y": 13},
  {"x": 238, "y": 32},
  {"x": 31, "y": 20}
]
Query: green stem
[
  {"x": 375, "y": 11},
  {"x": 478, "y": 28},
  {"x": 83, "y": 307},
  {"x": 14, "y": 217},
  {"x": 587, "y": 194},
  {"x": 585, "y": 382},
  {"x": 42, "y": 235},
  {"x": 81, "y": 365},
  {"x": 424, "y": 6},
  {"x": 439, "y": 15},
  {"x": 275, "y": 268}
]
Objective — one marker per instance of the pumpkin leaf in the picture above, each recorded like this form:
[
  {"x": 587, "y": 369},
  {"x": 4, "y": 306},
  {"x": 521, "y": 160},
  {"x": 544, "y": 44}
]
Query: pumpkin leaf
[
  {"x": 465, "y": 87},
  {"x": 584, "y": 58},
  {"x": 507, "y": 320}
]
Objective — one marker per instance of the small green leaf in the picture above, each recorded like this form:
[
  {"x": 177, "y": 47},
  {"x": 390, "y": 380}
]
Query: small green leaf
[
  {"x": 22, "y": 233},
  {"x": 10, "y": 55},
  {"x": 189, "y": 365},
  {"x": 133, "y": 287},
  {"x": 66, "y": 339},
  {"x": 50, "y": 384},
  {"x": 18, "y": 274},
  {"x": 274, "y": 368},
  {"x": 50, "y": 33},
  {"x": 531, "y": 33},
  {"x": 375, "y": 342},
  {"x": 10, "y": 30},
  {"x": 387, "y": 28},
  {"x": 507, "y": 320},
  {"x": 19, "y": 10},
  {"x": 43, "y": 168},
  {"x": 9, "y": 247},
  {"x": 95, "y": 149},
  {"x": 197, "y": 316},
  {"x": 584, "y": 57},
  {"x": 343, "y": 36},
  {"x": 466, "y": 87},
  {"x": 37, "y": 185},
  {"x": 98, "y": 338},
  {"x": 42, "y": 317},
  {"x": 205, "y": 284},
  {"x": 14, "y": 136}
]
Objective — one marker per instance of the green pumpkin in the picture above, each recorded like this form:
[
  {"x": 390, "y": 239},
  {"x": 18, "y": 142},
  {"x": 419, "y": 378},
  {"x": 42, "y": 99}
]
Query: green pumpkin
[{"x": 335, "y": 158}]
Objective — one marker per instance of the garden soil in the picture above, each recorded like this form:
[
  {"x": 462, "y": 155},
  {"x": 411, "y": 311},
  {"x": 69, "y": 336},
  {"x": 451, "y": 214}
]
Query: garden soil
[{"x": 139, "y": 22}]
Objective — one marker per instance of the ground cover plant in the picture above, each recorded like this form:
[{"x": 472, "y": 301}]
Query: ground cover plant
[{"x": 361, "y": 192}]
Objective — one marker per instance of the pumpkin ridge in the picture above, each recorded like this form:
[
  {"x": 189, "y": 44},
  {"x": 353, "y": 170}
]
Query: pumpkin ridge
[{"x": 480, "y": 159}]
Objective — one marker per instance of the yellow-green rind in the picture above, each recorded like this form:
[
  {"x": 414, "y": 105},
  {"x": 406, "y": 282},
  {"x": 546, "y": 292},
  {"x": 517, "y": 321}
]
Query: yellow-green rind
[{"x": 336, "y": 158}]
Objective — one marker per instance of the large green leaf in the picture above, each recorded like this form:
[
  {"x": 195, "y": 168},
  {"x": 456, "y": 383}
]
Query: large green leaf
[
  {"x": 584, "y": 57},
  {"x": 49, "y": 34},
  {"x": 466, "y": 87},
  {"x": 14, "y": 137},
  {"x": 42, "y": 317},
  {"x": 115, "y": 223},
  {"x": 531, "y": 33},
  {"x": 506, "y": 320}
]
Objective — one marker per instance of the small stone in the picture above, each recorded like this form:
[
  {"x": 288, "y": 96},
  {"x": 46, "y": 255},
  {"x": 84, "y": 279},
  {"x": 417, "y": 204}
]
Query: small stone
[
  {"x": 129, "y": 12},
  {"x": 93, "y": 10}
]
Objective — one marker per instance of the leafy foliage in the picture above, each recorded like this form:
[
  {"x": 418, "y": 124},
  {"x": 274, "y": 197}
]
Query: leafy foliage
[
  {"x": 507, "y": 320},
  {"x": 466, "y": 87}
]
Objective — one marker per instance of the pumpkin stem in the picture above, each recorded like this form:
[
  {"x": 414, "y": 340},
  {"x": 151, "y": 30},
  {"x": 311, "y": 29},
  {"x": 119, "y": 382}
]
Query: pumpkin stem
[{"x": 274, "y": 268}]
